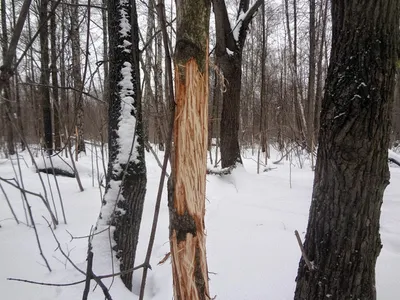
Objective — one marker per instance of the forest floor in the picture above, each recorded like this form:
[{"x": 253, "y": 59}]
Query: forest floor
[{"x": 250, "y": 222}]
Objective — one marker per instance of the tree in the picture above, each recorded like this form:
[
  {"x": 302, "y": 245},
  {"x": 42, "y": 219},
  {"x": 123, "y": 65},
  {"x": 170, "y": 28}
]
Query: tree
[
  {"x": 45, "y": 76},
  {"x": 76, "y": 75},
  {"x": 187, "y": 196},
  {"x": 7, "y": 86},
  {"x": 342, "y": 241},
  {"x": 126, "y": 178},
  {"x": 228, "y": 50}
]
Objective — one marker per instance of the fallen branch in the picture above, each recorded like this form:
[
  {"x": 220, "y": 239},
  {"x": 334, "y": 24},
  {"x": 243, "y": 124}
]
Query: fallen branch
[
  {"x": 309, "y": 264},
  {"x": 8, "y": 181},
  {"x": 220, "y": 172},
  {"x": 46, "y": 283}
]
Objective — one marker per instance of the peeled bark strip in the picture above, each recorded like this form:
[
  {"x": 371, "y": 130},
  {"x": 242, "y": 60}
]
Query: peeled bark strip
[
  {"x": 187, "y": 235},
  {"x": 187, "y": 193}
]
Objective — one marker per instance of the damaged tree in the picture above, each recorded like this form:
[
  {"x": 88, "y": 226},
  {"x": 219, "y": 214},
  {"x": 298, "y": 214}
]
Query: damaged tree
[
  {"x": 342, "y": 240},
  {"x": 126, "y": 178},
  {"x": 187, "y": 194}
]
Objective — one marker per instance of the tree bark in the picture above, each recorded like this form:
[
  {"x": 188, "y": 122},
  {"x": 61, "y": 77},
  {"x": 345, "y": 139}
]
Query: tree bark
[
  {"x": 54, "y": 80},
  {"x": 77, "y": 77},
  {"x": 311, "y": 80},
  {"x": 126, "y": 179},
  {"x": 342, "y": 239},
  {"x": 228, "y": 50},
  {"x": 45, "y": 77},
  {"x": 8, "y": 119},
  {"x": 187, "y": 200},
  {"x": 320, "y": 68}
]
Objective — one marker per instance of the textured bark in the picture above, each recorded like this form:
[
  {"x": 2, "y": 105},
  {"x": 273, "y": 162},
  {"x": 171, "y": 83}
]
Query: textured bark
[
  {"x": 6, "y": 92},
  {"x": 17, "y": 92},
  {"x": 342, "y": 239},
  {"x": 54, "y": 80},
  {"x": 311, "y": 80},
  {"x": 319, "y": 82},
  {"x": 77, "y": 77},
  {"x": 45, "y": 77},
  {"x": 127, "y": 176},
  {"x": 187, "y": 197},
  {"x": 231, "y": 67}
]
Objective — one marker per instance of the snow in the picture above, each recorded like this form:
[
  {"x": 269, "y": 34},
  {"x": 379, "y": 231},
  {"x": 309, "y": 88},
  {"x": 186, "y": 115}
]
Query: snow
[
  {"x": 230, "y": 52},
  {"x": 127, "y": 122},
  {"x": 238, "y": 25},
  {"x": 124, "y": 22},
  {"x": 250, "y": 221}
]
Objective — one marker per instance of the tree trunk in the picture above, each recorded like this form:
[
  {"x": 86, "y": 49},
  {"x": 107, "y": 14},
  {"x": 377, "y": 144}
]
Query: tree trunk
[
  {"x": 228, "y": 50},
  {"x": 6, "y": 91},
  {"x": 77, "y": 77},
  {"x": 342, "y": 239},
  {"x": 187, "y": 204},
  {"x": 17, "y": 93},
  {"x": 126, "y": 178},
  {"x": 45, "y": 77},
  {"x": 311, "y": 81},
  {"x": 319, "y": 83},
  {"x": 54, "y": 80}
]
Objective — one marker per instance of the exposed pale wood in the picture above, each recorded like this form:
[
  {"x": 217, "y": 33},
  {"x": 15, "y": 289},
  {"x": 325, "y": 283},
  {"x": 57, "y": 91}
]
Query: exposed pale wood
[{"x": 187, "y": 214}]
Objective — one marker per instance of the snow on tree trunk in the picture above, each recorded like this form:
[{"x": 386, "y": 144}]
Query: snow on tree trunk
[
  {"x": 126, "y": 178},
  {"x": 187, "y": 194}
]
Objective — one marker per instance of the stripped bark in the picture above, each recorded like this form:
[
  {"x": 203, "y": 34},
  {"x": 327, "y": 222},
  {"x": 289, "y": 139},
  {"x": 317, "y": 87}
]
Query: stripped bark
[{"x": 187, "y": 187}]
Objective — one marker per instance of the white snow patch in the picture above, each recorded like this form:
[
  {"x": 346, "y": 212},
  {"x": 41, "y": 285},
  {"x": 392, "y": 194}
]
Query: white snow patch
[
  {"x": 127, "y": 122},
  {"x": 124, "y": 23}
]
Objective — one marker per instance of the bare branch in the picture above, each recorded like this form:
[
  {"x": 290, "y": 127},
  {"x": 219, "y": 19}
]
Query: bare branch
[{"x": 303, "y": 252}]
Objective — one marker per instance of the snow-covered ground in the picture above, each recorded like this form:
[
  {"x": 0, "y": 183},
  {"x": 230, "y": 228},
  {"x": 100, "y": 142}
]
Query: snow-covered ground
[{"x": 250, "y": 220}]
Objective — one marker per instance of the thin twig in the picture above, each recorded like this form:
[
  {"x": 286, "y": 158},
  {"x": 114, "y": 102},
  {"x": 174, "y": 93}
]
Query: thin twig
[
  {"x": 33, "y": 194},
  {"x": 9, "y": 203},
  {"x": 303, "y": 252},
  {"x": 161, "y": 10},
  {"x": 47, "y": 283}
]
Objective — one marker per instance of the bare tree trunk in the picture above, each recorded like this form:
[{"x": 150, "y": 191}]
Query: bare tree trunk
[
  {"x": 54, "y": 80},
  {"x": 45, "y": 77},
  {"x": 342, "y": 239},
  {"x": 319, "y": 83},
  {"x": 6, "y": 91},
  {"x": 77, "y": 77},
  {"x": 228, "y": 50},
  {"x": 159, "y": 97},
  {"x": 187, "y": 204},
  {"x": 64, "y": 105},
  {"x": 106, "y": 96},
  {"x": 17, "y": 93},
  {"x": 311, "y": 84}
]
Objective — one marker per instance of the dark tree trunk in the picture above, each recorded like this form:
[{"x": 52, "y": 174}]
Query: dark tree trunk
[
  {"x": 126, "y": 178},
  {"x": 232, "y": 70},
  {"x": 7, "y": 102},
  {"x": 228, "y": 52},
  {"x": 342, "y": 239},
  {"x": 17, "y": 94},
  {"x": 45, "y": 77},
  {"x": 54, "y": 80},
  {"x": 319, "y": 81},
  {"x": 77, "y": 77},
  {"x": 311, "y": 80}
]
